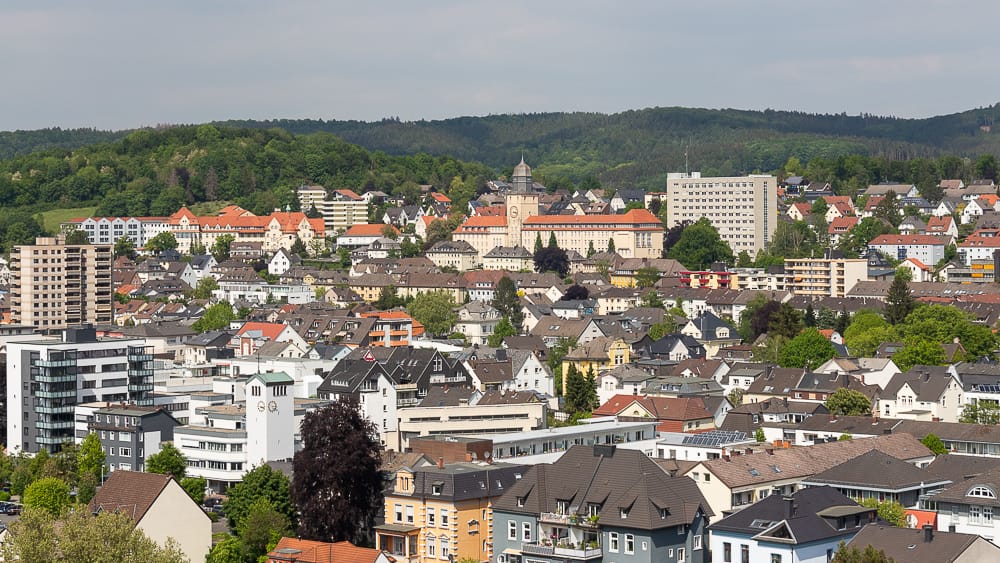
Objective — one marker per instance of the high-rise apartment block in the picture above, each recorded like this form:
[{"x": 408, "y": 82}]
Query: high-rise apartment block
[
  {"x": 54, "y": 285},
  {"x": 742, "y": 208},
  {"x": 48, "y": 377},
  {"x": 340, "y": 208}
]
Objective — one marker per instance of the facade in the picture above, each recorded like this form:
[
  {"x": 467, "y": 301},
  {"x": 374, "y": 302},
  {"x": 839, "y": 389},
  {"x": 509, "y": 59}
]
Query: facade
[
  {"x": 601, "y": 503},
  {"x": 445, "y": 511},
  {"x": 47, "y": 378},
  {"x": 130, "y": 434},
  {"x": 459, "y": 255},
  {"x": 827, "y": 277},
  {"x": 464, "y": 419},
  {"x": 743, "y": 209},
  {"x": 511, "y": 259},
  {"x": 161, "y": 509},
  {"x": 969, "y": 506},
  {"x": 274, "y": 231},
  {"x": 929, "y": 249},
  {"x": 54, "y": 285},
  {"x": 107, "y": 230}
]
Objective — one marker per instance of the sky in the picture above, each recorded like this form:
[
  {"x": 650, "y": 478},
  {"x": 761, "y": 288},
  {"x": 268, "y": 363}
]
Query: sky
[{"x": 126, "y": 64}]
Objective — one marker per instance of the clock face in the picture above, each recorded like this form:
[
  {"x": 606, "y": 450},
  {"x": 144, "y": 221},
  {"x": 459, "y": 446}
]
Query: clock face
[
  {"x": 272, "y": 406},
  {"x": 260, "y": 406},
  {"x": 513, "y": 211}
]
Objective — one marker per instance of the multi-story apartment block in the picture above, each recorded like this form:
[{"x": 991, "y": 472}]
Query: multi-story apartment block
[
  {"x": 929, "y": 249},
  {"x": 830, "y": 276},
  {"x": 340, "y": 208},
  {"x": 444, "y": 511},
  {"x": 48, "y": 377},
  {"x": 54, "y": 284},
  {"x": 107, "y": 230},
  {"x": 129, "y": 434},
  {"x": 601, "y": 503},
  {"x": 742, "y": 208}
]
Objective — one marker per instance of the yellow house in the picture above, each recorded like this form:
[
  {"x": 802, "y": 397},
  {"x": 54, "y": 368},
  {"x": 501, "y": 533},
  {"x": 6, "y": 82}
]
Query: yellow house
[
  {"x": 443, "y": 510},
  {"x": 601, "y": 353}
]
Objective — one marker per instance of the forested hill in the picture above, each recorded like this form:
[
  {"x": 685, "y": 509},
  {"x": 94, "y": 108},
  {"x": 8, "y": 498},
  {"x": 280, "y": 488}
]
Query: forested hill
[
  {"x": 637, "y": 148},
  {"x": 15, "y": 143}
]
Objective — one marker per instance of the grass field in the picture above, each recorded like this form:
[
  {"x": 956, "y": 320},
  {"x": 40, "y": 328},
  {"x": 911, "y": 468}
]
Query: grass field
[
  {"x": 52, "y": 219},
  {"x": 208, "y": 207}
]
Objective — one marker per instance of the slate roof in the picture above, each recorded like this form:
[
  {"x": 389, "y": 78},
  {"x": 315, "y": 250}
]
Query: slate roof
[
  {"x": 875, "y": 469},
  {"x": 493, "y": 372},
  {"x": 928, "y": 382},
  {"x": 613, "y": 478},
  {"x": 129, "y": 492},
  {"x": 959, "y": 468},
  {"x": 806, "y": 522},
  {"x": 758, "y": 469},
  {"x": 447, "y": 396},
  {"x": 907, "y": 544}
]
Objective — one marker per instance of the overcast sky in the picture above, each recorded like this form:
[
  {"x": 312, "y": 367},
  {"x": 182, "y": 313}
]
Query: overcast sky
[{"x": 125, "y": 64}]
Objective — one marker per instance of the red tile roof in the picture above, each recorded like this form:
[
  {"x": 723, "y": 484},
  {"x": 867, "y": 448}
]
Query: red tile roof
[
  {"x": 973, "y": 240},
  {"x": 271, "y": 331},
  {"x": 478, "y": 222},
  {"x": 632, "y": 216},
  {"x": 661, "y": 408},
  {"x": 349, "y": 194},
  {"x": 440, "y": 197},
  {"x": 308, "y": 551},
  {"x": 370, "y": 230},
  {"x": 939, "y": 224},
  {"x": 842, "y": 224}
]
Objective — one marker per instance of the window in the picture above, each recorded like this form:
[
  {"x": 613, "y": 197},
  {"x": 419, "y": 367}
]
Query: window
[
  {"x": 744, "y": 553},
  {"x": 430, "y": 517},
  {"x": 775, "y": 558},
  {"x": 696, "y": 540},
  {"x": 399, "y": 512},
  {"x": 623, "y": 513},
  {"x": 520, "y": 501},
  {"x": 409, "y": 514},
  {"x": 436, "y": 489},
  {"x": 613, "y": 542},
  {"x": 526, "y": 531},
  {"x": 431, "y": 545},
  {"x": 445, "y": 547},
  {"x": 681, "y": 555},
  {"x": 511, "y": 530},
  {"x": 125, "y": 452},
  {"x": 629, "y": 543},
  {"x": 727, "y": 552},
  {"x": 444, "y": 518},
  {"x": 255, "y": 391},
  {"x": 981, "y": 492}
]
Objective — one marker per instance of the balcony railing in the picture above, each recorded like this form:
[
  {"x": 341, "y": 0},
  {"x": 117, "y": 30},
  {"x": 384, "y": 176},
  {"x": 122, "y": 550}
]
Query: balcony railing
[
  {"x": 556, "y": 550},
  {"x": 567, "y": 520}
]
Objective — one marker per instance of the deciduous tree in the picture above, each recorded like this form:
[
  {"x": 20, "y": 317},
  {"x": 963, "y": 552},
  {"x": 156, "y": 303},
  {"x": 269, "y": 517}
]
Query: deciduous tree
[
  {"x": 435, "y": 310},
  {"x": 168, "y": 461},
  {"x": 700, "y": 245},
  {"x": 852, "y": 554},
  {"x": 220, "y": 248},
  {"x": 163, "y": 241},
  {"x": 919, "y": 352},
  {"x": 552, "y": 259},
  {"x": 848, "y": 402},
  {"x": 215, "y": 317},
  {"x": 337, "y": 482},
  {"x": 48, "y": 493},
  {"x": 934, "y": 444},
  {"x": 502, "y": 330},
  {"x": 506, "y": 301}
]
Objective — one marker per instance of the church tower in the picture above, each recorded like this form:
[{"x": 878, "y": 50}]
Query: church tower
[{"x": 522, "y": 202}]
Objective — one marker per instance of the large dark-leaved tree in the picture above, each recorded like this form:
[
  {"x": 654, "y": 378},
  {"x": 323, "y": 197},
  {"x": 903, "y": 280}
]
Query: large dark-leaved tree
[
  {"x": 337, "y": 481},
  {"x": 552, "y": 259},
  {"x": 699, "y": 246}
]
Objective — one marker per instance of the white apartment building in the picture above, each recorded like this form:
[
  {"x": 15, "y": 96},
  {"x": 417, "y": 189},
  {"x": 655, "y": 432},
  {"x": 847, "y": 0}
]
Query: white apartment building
[
  {"x": 48, "y": 377},
  {"x": 340, "y": 208},
  {"x": 742, "y": 208},
  {"x": 828, "y": 277},
  {"x": 107, "y": 230}
]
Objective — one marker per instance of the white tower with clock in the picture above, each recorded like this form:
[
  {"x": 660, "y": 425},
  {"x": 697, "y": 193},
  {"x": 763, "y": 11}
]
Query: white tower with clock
[{"x": 270, "y": 411}]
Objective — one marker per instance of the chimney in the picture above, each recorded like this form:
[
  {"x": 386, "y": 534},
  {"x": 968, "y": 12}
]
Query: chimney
[
  {"x": 789, "y": 507},
  {"x": 770, "y": 451},
  {"x": 468, "y": 456},
  {"x": 887, "y": 431},
  {"x": 440, "y": 463},
  {"x": 928, "y": 533}
]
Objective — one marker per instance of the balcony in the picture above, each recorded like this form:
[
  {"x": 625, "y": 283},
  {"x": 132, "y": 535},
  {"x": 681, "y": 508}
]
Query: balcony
[
  {"x": 61, "y": 394},
  {"x": 60, "y": 409},
  {"x": 55, "y": 363},
  {"x": 140, "y": 357},
  {"x": 53, "y": 378},
  {"x": 58, "y": 424},
  {"x": 567, "y": 520},
  {"x": 562, "y": 550},
  {"x": 140, "y": 387}
]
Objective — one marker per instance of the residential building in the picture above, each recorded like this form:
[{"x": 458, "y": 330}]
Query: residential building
[
  {"x": 595, "y": 356},
  {"x": 925, "y": 544},
  {"x": 453, "y": 254},
  {"x": 476, "y": 320},
  {"x": 743, "y": 209},
  {"x": 736, "y": 482},
  {"x": 879, "y": 476},
  {"x": 830, "y": 276},
  {"x": 48, "y": 377},
  {"x": 968, "y": 506},
  {"x": 54, "y": 285},
  {"x": 508, "y": 258},
  {"x": 929, "y": 249},
  {"x": 550, "y": 443},
  {"x": 674, "y": 414},
  {"x": 107, "y": 230},
  {"x": 444, "y": 511},
  {"x": 928, "y": 393},
  {"x": 130, "y": 434},
  {"x": 601, "y": 503},
  {"x": 803, "y": 527},
  {"x": 465, "y": 414},
  {"x": 979, "y": 247},
  {"x": 160, "y": 508}
]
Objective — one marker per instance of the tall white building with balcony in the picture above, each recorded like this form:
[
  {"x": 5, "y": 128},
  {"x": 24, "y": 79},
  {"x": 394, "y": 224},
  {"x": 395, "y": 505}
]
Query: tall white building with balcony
[{"x": 48, "y": 377}]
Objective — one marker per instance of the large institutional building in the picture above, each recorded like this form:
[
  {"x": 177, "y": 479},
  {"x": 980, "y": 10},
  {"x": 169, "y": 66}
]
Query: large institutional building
[
  {"x": 636, "y": 234},
  {"x": 53, "y": 284},
  {"x": 340, "y": 208},
  {"x": 275, "y": 231},
  {"x": 742, "y": 208}
]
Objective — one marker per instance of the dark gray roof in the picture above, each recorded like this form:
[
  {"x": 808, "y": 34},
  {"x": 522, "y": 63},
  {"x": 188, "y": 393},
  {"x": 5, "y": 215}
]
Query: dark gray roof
[
  {"x": 928, "y": 382},
  {"x": 447, "y": 396},
  {"x": 615, "y": 480},
  {"x": 806, "y": 523},
  {"x": 875, "y": 469},
  {"x": 907, "y": 544},
  {"x": 466, "y": 480},
  {"x": 958, "y": 468}
]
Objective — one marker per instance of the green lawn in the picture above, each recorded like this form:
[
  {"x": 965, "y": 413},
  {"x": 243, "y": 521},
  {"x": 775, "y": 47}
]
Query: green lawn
[
  {"x": 52, "y": 219},
  {"x": 208, "y": 207}
]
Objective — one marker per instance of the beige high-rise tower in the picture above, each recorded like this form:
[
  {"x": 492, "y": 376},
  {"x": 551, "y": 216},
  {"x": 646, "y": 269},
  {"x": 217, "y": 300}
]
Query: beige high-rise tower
[{"x": 54, "y": 285}]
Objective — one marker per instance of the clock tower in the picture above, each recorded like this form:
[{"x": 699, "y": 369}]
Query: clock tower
[
  {"x": 521, "y": 203},
  {"x": 270, "y": 412}
]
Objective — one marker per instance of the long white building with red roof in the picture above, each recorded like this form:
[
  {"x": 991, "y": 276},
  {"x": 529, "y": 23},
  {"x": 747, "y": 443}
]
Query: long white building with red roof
[{"x": 275, "y": 231}]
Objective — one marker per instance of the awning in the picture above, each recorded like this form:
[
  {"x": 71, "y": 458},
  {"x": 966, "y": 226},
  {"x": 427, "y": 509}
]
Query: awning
[{"x": 511, "y": 551}]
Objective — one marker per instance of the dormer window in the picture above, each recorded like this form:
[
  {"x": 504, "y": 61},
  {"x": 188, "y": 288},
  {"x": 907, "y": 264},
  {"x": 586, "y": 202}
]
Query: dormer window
[
  {"x": 436, "y": 488},
  {"x": 623, "y": 513},
  {"x": 520, "y": 502},
  {"x": 663, "y": 513},
  {"x": 562, "y": 507},
  {"x": 981, "y": 492},
  {"x": 593, "y": 509},
  {"x": 438, "y": 364}
]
